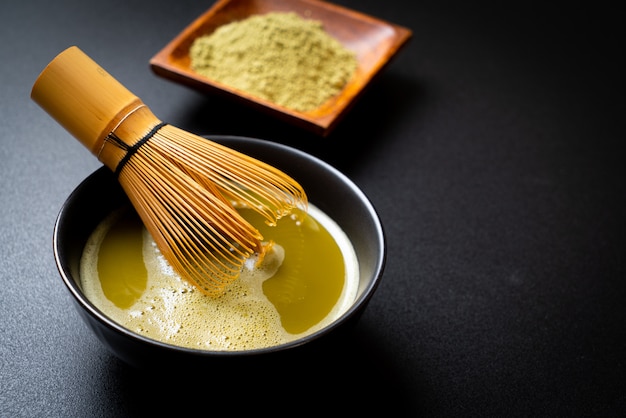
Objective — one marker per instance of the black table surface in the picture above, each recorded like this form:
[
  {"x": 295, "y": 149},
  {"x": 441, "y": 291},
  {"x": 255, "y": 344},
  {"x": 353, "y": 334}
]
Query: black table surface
[{"x": 490, "y": 147}]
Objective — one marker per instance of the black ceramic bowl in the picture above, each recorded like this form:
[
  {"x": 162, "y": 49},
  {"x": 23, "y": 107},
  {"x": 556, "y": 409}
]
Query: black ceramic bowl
[{"x": 326, "y": 187}]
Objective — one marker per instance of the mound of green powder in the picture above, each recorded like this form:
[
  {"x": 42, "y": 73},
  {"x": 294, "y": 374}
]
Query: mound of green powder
[{"x": 280, "y": 57}]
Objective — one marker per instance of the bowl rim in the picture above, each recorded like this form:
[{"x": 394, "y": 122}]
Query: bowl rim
[{"x": 95, "y": 313}]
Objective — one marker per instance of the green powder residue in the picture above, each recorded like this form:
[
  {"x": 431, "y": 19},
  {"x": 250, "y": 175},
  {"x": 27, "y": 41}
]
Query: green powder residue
[{"x": 280, "y": 57}]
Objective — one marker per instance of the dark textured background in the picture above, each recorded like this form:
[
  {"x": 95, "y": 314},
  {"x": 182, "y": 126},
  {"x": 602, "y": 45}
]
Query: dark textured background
[{"x": 491, "y": 148}]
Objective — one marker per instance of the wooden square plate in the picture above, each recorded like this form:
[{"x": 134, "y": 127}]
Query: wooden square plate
[{"x": 373, "y": 40}]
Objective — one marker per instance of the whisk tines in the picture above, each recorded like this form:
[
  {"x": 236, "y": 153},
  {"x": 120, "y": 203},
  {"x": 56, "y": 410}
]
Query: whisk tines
[{"x": 192, "y": 183}]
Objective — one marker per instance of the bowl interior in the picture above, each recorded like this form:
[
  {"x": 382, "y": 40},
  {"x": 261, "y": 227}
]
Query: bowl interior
[
  {"x": 373, "y": 40},
  {"x": 327, "y": 188}
]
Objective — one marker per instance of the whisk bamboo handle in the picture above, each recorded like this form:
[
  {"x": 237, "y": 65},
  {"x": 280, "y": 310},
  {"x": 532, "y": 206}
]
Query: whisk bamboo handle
[{"x": 90, "y": 104}]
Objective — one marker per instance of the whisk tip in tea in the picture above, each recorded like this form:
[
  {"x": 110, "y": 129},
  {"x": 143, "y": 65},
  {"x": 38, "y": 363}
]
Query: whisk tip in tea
[{"x": 183, "y": 186}]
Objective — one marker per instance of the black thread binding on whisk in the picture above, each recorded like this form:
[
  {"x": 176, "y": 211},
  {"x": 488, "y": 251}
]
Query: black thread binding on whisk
[{"x": 130, "y": 150}]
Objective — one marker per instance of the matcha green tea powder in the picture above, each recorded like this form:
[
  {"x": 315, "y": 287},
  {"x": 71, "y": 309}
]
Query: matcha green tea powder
[{"x": 279, "y": 56}]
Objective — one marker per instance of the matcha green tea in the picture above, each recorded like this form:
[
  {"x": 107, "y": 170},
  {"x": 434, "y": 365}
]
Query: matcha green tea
[
  {"x": 277, "y": 56},
  {"x": 307, "y": 278}
]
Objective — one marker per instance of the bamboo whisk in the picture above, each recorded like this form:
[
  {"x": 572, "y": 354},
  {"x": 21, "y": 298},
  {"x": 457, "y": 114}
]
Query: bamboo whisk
[{"x": 181, "y": 185}]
